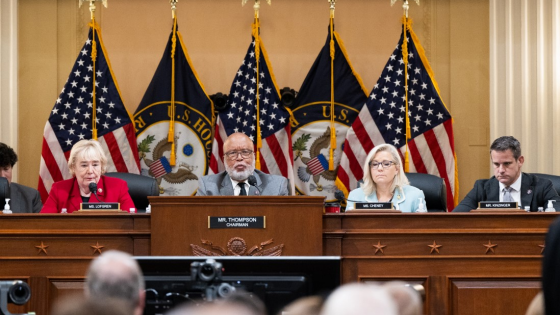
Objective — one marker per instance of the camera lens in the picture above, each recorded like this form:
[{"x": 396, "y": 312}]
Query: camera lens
[
  {"x": 225, "y": 289},
  {"x": 19, "y": 293},
  {"x": 207, "y": 272}
]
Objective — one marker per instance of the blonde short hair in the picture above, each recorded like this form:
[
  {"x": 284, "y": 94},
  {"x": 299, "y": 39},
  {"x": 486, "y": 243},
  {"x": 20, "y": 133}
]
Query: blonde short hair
[
  {"x": 400, "y": 179},
  {"x": 88, "y": 150}
]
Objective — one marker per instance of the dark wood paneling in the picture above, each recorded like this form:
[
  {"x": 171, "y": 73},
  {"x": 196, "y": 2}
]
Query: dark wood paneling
[
  {"x": 492, "y": 296},
  {"x": 464, "y": 277},
  {"x": 294, "y": 222}
]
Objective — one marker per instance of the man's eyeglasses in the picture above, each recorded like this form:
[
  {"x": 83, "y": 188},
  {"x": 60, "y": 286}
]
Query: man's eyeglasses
[
  {"x": 232, "y": 155},
  {"x": 384, "y": 164}
]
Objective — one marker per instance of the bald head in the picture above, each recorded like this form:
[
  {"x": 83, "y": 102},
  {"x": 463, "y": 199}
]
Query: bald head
[
  {"x": 116, "y": 274},
  {"x": 359, "y": 299}
]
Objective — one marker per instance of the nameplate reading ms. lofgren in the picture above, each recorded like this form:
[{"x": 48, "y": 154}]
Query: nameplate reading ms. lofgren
[
  {"x": 236, "y": 222},
  {"x": 100, "y": 206},
  {"x": 497, "y": 205}
]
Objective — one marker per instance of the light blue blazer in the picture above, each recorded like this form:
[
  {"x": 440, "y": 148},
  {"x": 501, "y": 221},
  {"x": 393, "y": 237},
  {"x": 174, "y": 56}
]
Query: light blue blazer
[{"x": 406, "y": 199}]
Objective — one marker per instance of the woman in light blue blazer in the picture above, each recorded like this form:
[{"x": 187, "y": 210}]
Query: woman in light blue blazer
[{"x": 385, "y": 181}]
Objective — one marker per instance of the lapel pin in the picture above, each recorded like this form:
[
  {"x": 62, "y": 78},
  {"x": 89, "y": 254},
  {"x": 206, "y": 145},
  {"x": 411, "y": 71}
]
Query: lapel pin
[
  {"x": 99, "y": 190},
  {"x": 529, "y": 192}
]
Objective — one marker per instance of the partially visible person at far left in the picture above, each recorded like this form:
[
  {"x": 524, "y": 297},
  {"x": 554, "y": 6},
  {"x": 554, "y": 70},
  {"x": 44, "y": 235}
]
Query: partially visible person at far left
[
  {"x": 87, "y": 164},
  {"x": 23, "y": 199}
]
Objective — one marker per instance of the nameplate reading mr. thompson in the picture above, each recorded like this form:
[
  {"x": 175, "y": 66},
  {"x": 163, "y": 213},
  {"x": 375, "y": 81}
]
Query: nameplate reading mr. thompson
[{"x": 236, "y": 222}]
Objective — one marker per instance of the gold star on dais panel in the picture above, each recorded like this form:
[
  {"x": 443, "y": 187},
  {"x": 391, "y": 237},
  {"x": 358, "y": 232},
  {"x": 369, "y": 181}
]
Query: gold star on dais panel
[
  {"x": 379, "y": 247},
  {"x": 97, "y": 248},
  {"x": 489, "y": 247},
  {"x": 42, "y": 248},
  {"x": 434, "y": 247}
]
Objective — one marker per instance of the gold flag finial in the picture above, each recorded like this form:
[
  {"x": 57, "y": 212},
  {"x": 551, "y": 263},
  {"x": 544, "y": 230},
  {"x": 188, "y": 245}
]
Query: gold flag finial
[
  {"x": 92, "y": 5},
  {"x": 173, "y": 7},
  {"x": 257, "y": 6},
  {"x": 405, "y": 6},
  {"x": 333, "y": 3}
]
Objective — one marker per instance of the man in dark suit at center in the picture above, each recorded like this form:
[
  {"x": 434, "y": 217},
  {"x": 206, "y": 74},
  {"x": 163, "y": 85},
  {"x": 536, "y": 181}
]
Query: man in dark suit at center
[
  {"x": 508, "y": 182},
  {"x": 239, "y": 160}
]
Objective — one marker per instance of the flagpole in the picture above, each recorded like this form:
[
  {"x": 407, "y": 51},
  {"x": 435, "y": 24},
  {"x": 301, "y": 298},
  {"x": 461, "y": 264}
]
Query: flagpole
[
  {"x": 406, "y": 24},
  {"x": 92, "y": 8},
  {"x": 332, "y": 50},
  {"x": 171, "y": 111},
  {"x": 256, "y": 35}
]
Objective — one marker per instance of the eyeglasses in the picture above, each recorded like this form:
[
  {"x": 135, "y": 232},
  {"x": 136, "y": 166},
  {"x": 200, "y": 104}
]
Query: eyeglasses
[
  {"x": 232, "y": 155},
  {"x": 385, "y": 164}
]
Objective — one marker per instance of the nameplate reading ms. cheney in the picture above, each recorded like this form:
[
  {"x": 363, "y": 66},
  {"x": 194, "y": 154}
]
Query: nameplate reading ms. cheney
[{"x": 236, "y": 222}]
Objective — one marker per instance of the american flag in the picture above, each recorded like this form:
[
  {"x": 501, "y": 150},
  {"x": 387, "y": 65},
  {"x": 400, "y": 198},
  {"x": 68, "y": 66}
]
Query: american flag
[
  {"x": 160, "y": 167},
  {"x": 240, "y": 115},
  {"x": 382, "y": 120},
  {"x": 72, "y": 115}
]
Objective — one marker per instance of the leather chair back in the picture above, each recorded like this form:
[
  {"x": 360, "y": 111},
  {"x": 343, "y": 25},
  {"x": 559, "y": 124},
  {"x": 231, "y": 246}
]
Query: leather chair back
[
  {"x": 434, "y": 190},
  {"x": 4, "y": 192},
  {"x": 433, "y": 187},
  {"x": 139, "y": 188},
  {"x": 555, "y": 179}
]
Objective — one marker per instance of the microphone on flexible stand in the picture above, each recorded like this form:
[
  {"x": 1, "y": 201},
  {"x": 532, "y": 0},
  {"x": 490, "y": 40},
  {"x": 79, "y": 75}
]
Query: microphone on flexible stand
[
  {"x": 252, "y": 180},
  {"x": 93, "y": 190},
  {"x": 339, "y": 195}
]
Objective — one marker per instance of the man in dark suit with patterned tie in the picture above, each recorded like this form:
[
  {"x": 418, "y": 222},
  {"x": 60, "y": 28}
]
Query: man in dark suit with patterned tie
[
  {"x": 508, "y": 182},
  {"x": 239, "y": 160},
  {"x": 23, "y": 199}
]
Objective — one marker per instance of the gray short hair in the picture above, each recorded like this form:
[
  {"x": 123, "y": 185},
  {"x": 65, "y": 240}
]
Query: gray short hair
[
  {"x": 115, "y": 274},
  {"x": 507, "y": 143}
]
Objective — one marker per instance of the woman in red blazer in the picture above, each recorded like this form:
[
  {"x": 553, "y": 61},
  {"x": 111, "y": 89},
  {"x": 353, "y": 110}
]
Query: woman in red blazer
[{"x": 87, "y": 163}]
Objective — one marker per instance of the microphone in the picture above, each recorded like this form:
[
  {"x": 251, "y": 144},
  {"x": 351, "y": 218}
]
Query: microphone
[
  {"x": 339, "y": 195},
  {"x": 93, "y": 190},
  {"x": 252, "y": 180}
]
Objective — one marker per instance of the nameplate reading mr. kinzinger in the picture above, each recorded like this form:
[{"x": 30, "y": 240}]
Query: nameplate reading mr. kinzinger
[{"x": 236, "y": 222}]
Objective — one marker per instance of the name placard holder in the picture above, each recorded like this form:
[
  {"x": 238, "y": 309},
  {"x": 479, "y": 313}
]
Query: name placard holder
[
  {"x": 237, "y": 222},
  {"x": 377, "y": 207},
  {"x": 498, "y": 206},
  {"x": 102, "y": 206}
]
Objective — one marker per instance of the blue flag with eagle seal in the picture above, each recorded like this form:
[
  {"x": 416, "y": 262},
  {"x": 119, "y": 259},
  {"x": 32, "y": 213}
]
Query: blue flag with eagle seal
[
  {"x": 311, "y": 126},
  {"x": 176, "y": 163}
]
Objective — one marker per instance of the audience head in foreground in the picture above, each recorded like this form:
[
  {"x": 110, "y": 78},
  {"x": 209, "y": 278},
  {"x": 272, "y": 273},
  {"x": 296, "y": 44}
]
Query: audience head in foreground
[
  {"x": 385, "y": 181},
  {"x": 408, "y": 300},
  {"x": 551, "y": 270},
  {"x": 359, "y": 299},
  {"x": 238, "y": 303},
  {"x": 79, "y": 305},
  {"x": 87, "y": 164},
  {"x": 240, "y": 177},
  {"x": 509, "y": 184},
  {"x": 23, "y": 199},
  {"x": 116, "y": 275}
]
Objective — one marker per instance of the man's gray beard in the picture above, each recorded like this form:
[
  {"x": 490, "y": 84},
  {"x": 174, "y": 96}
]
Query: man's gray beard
[{"x": 240, "y": 176}]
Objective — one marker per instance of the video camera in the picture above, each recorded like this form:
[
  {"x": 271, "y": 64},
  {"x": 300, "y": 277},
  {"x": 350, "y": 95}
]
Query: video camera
[
  {"x": 15, "y": 292},
  {"x": 208, "y": 277}
]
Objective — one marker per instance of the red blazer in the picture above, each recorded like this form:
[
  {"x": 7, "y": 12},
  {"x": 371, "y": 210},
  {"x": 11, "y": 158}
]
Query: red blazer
[{"x": 66, "y": 194}]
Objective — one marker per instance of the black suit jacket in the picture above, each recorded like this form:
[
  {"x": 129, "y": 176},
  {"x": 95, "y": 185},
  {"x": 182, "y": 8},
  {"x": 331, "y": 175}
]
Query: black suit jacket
[
  {"x": 535, "y": 192},
  {"x": 24, "y": 199}
]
